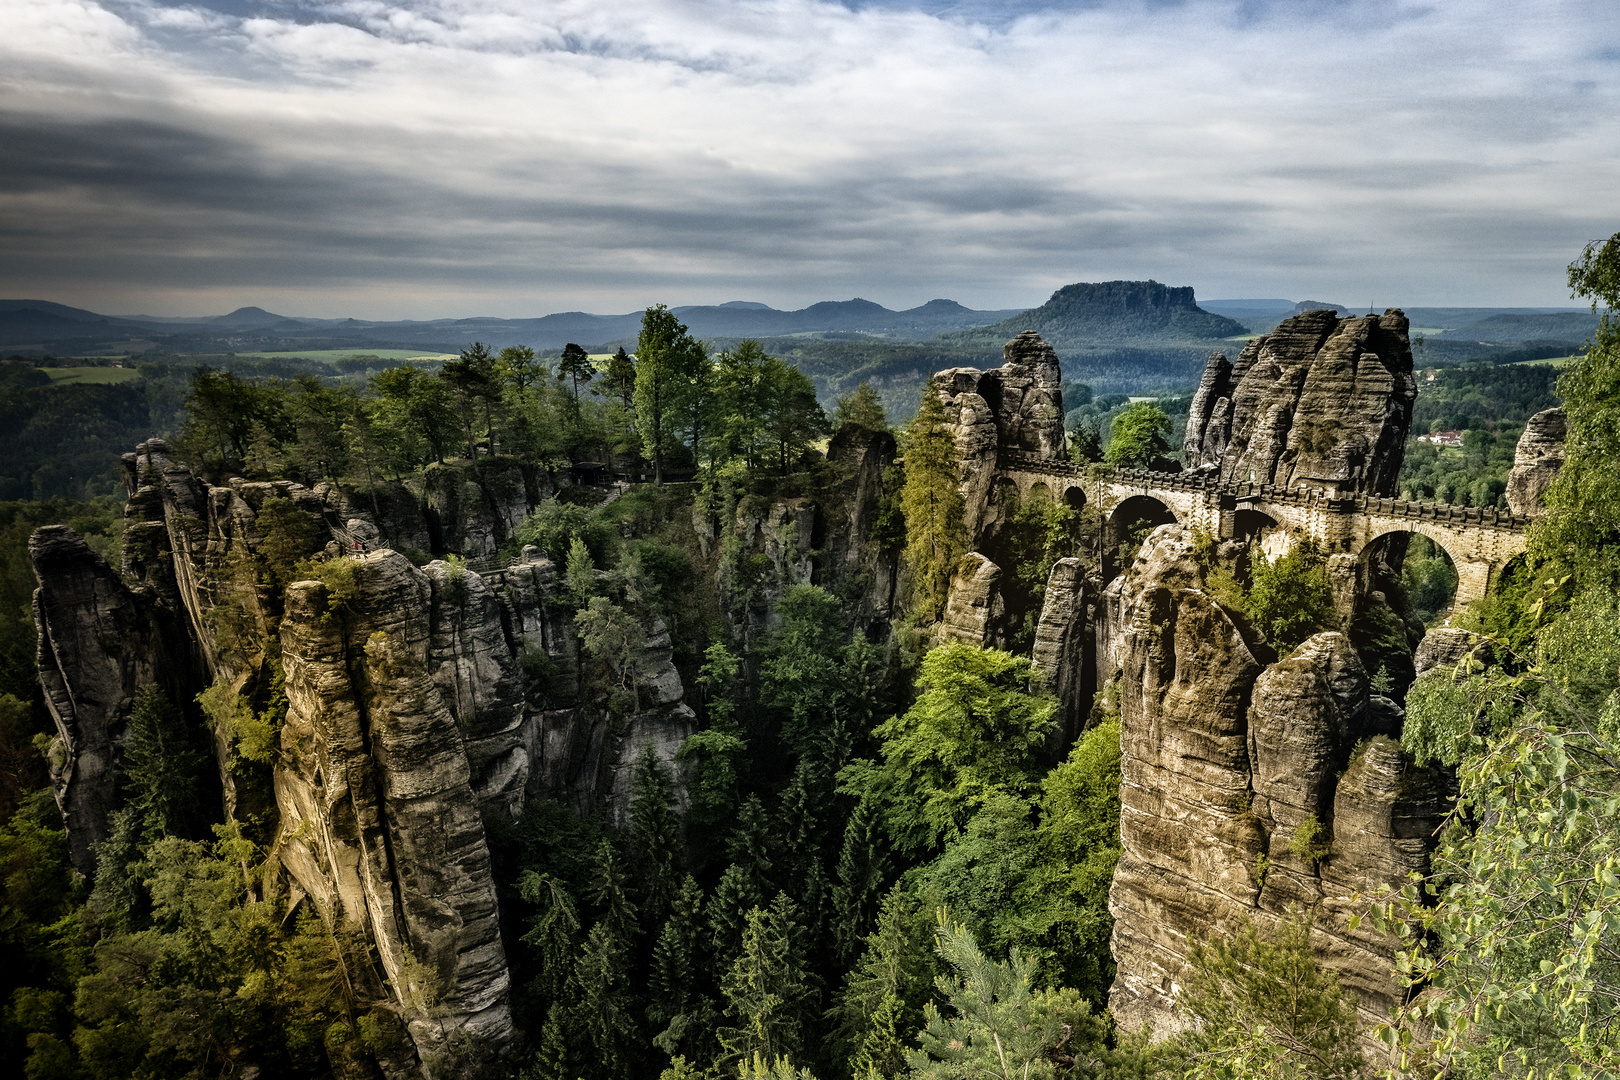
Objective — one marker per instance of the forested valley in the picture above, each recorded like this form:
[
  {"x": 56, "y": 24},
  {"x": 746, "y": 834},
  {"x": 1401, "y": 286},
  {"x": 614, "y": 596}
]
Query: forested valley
[{"x": 877, "y": 853}]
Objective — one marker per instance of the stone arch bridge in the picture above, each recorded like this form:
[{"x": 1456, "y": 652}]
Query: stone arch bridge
[{"x": 1479, "y": 541}]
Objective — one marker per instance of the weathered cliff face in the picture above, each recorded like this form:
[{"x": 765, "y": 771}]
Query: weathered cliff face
[
  {"x": 1536, "y": 461},
  {"x": 1228, "y": 758},
  {"x": 1016, "y": 407},
  {"x": 420, "y": 702},
  {"x": 1319, "y": 402},
  {"x": 1064, "y": 651},
  {"x": 98, "y": 642},
  {"x": 381, "y": 822}
]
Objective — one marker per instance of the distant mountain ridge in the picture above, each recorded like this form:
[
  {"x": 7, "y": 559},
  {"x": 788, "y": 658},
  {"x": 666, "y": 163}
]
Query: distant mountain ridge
[{"x": 43, "y": 324}]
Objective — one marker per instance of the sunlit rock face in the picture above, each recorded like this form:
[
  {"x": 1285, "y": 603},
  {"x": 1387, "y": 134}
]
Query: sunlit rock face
[
  {"x": 1320, "y": 402},
  {"x": 1230, "y": 754},
  {"x": 1536, "y": 461},
  {"x": 1017, "y": 407}
]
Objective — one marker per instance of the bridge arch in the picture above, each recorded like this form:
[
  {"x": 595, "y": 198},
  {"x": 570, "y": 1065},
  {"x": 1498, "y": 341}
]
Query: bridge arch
[
  {"x": 1426, "y": 571},
  {"x": 1074, "y": 497},
  {"x": 1128, "y": 525}
]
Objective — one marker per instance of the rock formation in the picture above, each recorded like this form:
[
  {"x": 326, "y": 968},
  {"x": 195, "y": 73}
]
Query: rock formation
[
  {"x": 1064, "y": 651},
  {"x": 419, "y": 702},
  {"x": 972, "y": 607},
  {"x": 381, "y": 822},
  {"x": 1017, "y": 407},
  {"x": 1536, "y": 461},
  {"x": 1230, "y": 764},
  {"x": 1319, "y": 402}
]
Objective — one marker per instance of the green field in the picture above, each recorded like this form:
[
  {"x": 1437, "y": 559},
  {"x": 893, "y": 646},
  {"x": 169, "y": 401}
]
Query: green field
[
  {"x": 339, "y": 354},
  {"x": 101, "y": 376},
  {"x": 1552, "y": 361}
]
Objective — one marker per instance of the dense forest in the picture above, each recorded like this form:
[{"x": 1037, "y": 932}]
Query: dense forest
[{"x": 887, "y": 863}]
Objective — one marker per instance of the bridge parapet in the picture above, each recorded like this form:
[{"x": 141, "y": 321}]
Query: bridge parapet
[{"x": 1315, "y": 498}]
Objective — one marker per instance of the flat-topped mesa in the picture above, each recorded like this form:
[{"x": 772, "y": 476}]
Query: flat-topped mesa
[
  {"x": 1320, "y": 402},
  {"x": 1018, "y": 407}
]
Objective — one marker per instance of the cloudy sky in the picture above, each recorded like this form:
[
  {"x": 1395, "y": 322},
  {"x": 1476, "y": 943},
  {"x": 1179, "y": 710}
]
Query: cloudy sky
[{"x": 425, "y": 158}]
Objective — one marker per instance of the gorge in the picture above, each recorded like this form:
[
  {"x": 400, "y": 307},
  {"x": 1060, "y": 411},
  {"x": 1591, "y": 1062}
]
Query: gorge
[{"x": 408, "y": 709}]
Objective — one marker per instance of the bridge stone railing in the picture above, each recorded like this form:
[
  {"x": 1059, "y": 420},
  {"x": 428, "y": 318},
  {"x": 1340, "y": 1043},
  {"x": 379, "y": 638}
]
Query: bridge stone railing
[{"x": 1367, "y": 505}]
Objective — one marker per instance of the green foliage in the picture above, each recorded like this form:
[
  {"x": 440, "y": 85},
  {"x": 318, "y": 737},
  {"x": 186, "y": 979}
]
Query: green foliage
[
  {"x": 1583, "y": 523},
  {"x": 1290, "y": 599},
  {"x": 1140, "y": 434},
  {"x": 999, "y": 1026},
  {"x": 163, "y": 765},
  {"x": 580, "y": 574},
  {"x": 342, "y": 583},
  {"x": 863, "y": 408},
  {"x": 1265, "y": 1007},
  {"x": 767, "y": 990},
  {"x": 881, "y": 1005},
  {"x": 253, "y": 736},
  {"x": 975, "y": 729},
  {"x": 613, "y": 637},
  {"x": 936, "y": 535},
  {"x": 1311, "y": 842},
  {"x": 667, "y": 360}
]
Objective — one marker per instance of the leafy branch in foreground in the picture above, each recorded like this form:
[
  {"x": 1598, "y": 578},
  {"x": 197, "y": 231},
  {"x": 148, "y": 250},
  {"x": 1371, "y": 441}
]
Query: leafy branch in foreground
[{"x": 1516, "y": 931}]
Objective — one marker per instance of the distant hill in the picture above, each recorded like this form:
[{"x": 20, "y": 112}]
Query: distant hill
[
  {"x": 1564, "y": 326},
  {"x": 42, "y": 325},
  {"x": 1090, "y": 314}
]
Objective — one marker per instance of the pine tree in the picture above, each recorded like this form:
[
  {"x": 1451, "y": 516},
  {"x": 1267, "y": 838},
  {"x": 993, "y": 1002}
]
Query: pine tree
[
  {"x": 863, "y": 408},
  {"x": 162, "y": 765},
  {"x": 862, "y": 870},
  {"x": 604, "y": 1010},
  {"x": 882, "y": 1052},
  {"x": 734, "y": 897},
  {"x": 553, "y": 932},
  {"x": 666, "y": 359},
  {"x": 553, "y": 1059},
  {"x": 766, "y": 989},
  {"x": 655, "y": 842},
  {"x": 998, "y": 1026},
  {"x": 897, "y": 963},
  {"x": 679, "y": 1011},
  {"x": 749, "y": 846},
  {"x": 936, "y": 534},
  {"x": 610, "y": 894}
]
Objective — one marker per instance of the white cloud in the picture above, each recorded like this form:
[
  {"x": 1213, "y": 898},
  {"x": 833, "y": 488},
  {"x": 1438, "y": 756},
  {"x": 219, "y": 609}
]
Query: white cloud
[{"x": 446, "y": 156}]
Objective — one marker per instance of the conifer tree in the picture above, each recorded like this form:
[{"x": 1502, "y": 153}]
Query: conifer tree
[
  {"x": 678, "y": 1011},
  {"x": 610, "y": 894},
  {"x": 863, "y": 408},
  {"x": 750, "y": 846},
  {"x": 655, "y": 842},
  {"x": 162, "y": 765},
  {"x": 766, "y": 989},
  {"x": 603, "y": 1011},
  {"x": 734, "y": 897},
  {"x": 862, "y": 870},
  {"x": 553, "y": 932},
  {"x": 936, "y": 533},
  {"x": 897, "y": 963}
]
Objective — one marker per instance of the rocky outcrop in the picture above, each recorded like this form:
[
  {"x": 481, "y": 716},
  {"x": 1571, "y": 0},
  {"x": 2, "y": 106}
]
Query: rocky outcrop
[
  {"x": 1250, "y": 789},
  {"x": 859, "y": 564},
  {"x": 421, "y": 702},
  {"x": 1536, "y": 461},
  {"x": 1017, "y": 407},
  {"x": 98, "y": 642},
  {"x": 972, "y": 607},
  {"x": 1444, "y": 646},
  {"x": 381, "y": 826},
  {"x": 1063, "y": 648},
  {"x": 1321, "y": 402}
]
